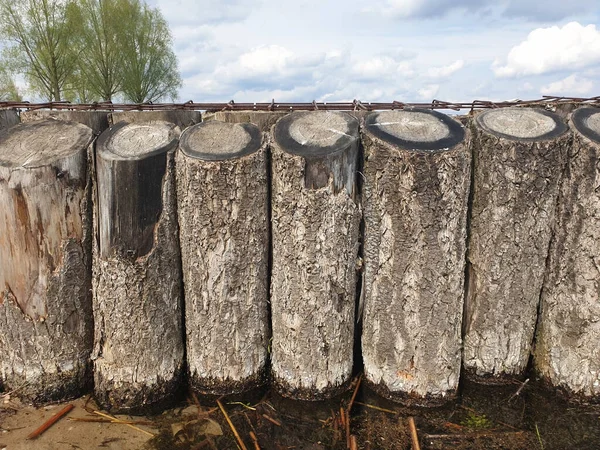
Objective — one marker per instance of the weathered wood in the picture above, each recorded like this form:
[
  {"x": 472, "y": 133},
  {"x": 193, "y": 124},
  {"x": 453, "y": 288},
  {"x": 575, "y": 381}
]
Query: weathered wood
[
  {"x": 222, "y": 196},
  {"x": 96, "y": 120},
  {"x": 519, "y": 155},
  {"x": 315, "y": 226},
  {"x": 264, "y": 120},
  {"x": 415, "y": 197},
  {"x": 180, "y": 117},
  {"x": 8, "y": 118},
  {"x": 138, "y": 347},
  {"x": 45, "y": 259},
  {"x": 567, "y": 350}
]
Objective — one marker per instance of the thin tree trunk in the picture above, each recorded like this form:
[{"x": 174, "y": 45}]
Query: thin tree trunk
[
  {"x": 138, "y": 348},
  {"x": 45, "y": 260},
  {"x": 416, "y": 189},
  {"x": 567, "y": 351},
  {"x": 519, "y": 156},
  {"x": 315, "y": 220},
  {"x": 224, "y": 234}
]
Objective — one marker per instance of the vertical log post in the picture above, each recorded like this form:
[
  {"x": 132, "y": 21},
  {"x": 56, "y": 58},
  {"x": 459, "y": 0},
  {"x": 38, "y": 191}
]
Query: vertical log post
[
  {"x": 222, "y": 195},
  {"x": 264, "y": 120},
  {"x": 8, "y": 118},
  {"x": 138, "y": 348},
  {"x": 315, "y": 219},
  {"x": 96, "y": 120},
  {"x": 519, "y": 155},
  {"x": 45, "y": 260},
  {"x": 180, "y": 117},
  {"x": 416, "y": 190},
  {"x": 567, "y": 351}
]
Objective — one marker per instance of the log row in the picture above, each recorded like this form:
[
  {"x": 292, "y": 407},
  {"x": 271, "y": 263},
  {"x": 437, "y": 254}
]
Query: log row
[{"x": 226, "y": 249}]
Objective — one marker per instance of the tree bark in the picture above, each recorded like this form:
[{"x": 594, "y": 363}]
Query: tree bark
[
  {"x": 138, "y": 347},
  {"x": 222, "y": 192},
  {"x": 8, "y": 118},
  {"x": 519, "y": 156},
  {"x": 315, "y": 220},
  {"x": 264, "y": 120},
  {"x": 96, "y": 120},
  {"x": 45, "y": 260},
  {"x": 180, "y": 117},
  {"x": 415, "y": 196},
  {"x": 567, "y": 351}
]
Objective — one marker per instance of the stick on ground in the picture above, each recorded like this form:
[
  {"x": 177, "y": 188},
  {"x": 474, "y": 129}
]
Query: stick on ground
[
  {"x": 233, "y": 429},
  {"x": 51, "y": 421},
  {"x": 413, "y": 433}
]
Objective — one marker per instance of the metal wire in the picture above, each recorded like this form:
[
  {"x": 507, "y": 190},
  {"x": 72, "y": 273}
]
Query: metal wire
[{"x": 357, "y": 105}]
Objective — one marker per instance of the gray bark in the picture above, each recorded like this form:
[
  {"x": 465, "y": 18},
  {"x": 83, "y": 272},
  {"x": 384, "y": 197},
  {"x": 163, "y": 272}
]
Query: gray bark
[
  {"x": 180, "y": 117},
  {"x": 138, "y": 345},
  {"x": 519, "y": 156},
  {"x": 415, "y": 197},
  {"x": 567, "y": 351},
  {"x": 96, "y": 120},
  {"x": 264, "y": 120},
  {"x": 315, "y": 226},
  {"x": 8, "y": 118},
  {"x": 222, "y": 193},
  {"x": 45, "y": 260}
]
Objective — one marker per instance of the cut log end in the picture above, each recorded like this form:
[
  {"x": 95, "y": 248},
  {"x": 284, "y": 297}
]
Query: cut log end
[
  {"x": 587, "y": 122},
  {"x": 42, "y": 142},
  {"x": 132, "y": 141},
  {"x": 217, "y": 141},
  {"x": 521, "y": 124},
  {"x": 416, "y": 129}
]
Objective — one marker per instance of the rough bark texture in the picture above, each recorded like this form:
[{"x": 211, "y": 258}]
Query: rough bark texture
[
  {"x": 264, "y": 120},
  {"x": 8, "y": 118},
  {"x": 138, "y": 346},
  {"x": 415, "y": 197},
  {"x": 315, "y": 247},
  {"x": 515, "y": 189},
  {"x": 224, "y": 234},
  {"x": 96, "y": 120},
  {"x": 45, "y": 260},
  {"x": 181, "y": 118},
  {"x": 567, "y": 351}
]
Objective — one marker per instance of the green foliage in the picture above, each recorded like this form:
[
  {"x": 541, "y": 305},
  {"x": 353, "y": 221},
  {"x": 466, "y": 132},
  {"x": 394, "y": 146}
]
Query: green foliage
[
  {"x": 8, "y": 88},
  {"x": 476, "y": 421}
]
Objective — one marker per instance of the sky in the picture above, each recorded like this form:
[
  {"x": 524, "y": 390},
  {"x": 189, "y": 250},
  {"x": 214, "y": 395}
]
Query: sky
[{"x": 384, "y": 50}]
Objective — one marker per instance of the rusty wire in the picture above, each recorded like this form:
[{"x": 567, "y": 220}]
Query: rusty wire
[{"x": 356, "y": 105}]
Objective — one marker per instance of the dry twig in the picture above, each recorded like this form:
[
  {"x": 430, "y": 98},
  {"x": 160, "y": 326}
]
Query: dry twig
[
  {"x": 51, "y": 421},
  {"x": 233, "y": 429},
  {"x": 123, "y": 422},
  {"x": 413, "y": 433}
]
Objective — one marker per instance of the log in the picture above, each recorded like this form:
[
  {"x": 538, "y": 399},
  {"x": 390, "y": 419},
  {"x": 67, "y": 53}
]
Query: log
[
  {"x": 415, "y": 197},
  {"x": 8, "y": 118},
  {"x": 180, "y": 117},
  {"x": 222, "y": 196},
  {"x": 138, "y": 344},
  {"x": 45, "y": 260},
  {"x": 315, "y": 240},
  {"x": 567, "y": 352},
  {"x": 96, "y": 120},
  {"x": 264, "y": 120},
  {"x": 519, "y": 155}
]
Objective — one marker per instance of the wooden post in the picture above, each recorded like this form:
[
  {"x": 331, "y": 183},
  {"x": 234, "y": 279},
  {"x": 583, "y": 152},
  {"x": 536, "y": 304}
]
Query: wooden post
[
  {"x": 181, "y": 117},
  {"x": 567, "y": 351},
  {"x": 8, "y": 118},
  {"x": 315, "y": 220},
  {"x": 264, "y": 120},
  {"x": 415, "y": 196},
  {"x": 96, "y": 120},
  {"x": 222, "y": 195},
  {"x": 45, "y": 260},
  {"x": 519, "y": 156},
  {"x": 138, "y": 348}
]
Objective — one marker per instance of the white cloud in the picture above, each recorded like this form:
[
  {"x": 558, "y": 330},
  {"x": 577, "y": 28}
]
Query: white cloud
[
  {"x": 445, "y": 71},
  {"x": 572, "y": 85},
  {"x": 429, "y": 91},
  {"x": 381, "y": 67},
  {"x": 550, "y": 49}
]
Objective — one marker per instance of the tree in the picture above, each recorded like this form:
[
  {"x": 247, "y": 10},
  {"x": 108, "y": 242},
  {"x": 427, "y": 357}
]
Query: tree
[
  {"x": 41, "y": 36},
  {"x": 9, "y": 92},
  {"x": 149, "y": 64}
]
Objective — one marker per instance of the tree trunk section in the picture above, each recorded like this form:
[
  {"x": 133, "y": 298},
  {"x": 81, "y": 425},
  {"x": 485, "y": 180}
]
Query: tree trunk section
[
  {"x": 138, "y": 347},
  {"x": 45, "y": 260},
  {"x": 519, "y": 156},
  {"x": 8, "y": 118},
  {"x": 222, "y": 193},
  {"x": 264, "y": 120},
  {"x": 415, "y": 196},
  {"x": 180, "y": 117},
  {"x": 96, "y": 120},
  {"x": 567, "y": 351},
  {"x": 315, "y": 226}
]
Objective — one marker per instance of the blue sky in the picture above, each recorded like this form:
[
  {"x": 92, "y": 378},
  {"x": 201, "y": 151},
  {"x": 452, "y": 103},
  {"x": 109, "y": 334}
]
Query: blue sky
[{"x": 384, "y": 50}]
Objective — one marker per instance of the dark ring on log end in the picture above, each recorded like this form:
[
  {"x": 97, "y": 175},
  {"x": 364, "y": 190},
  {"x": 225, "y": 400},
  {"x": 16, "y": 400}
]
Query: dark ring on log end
[
  {"x": 219, "y": 141},
  {"x": 529, "y": 124},
  {"x": 299, "y": 133},
  {"x": 406, "y": 129},
  {"x": 587, "y": 122}
]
